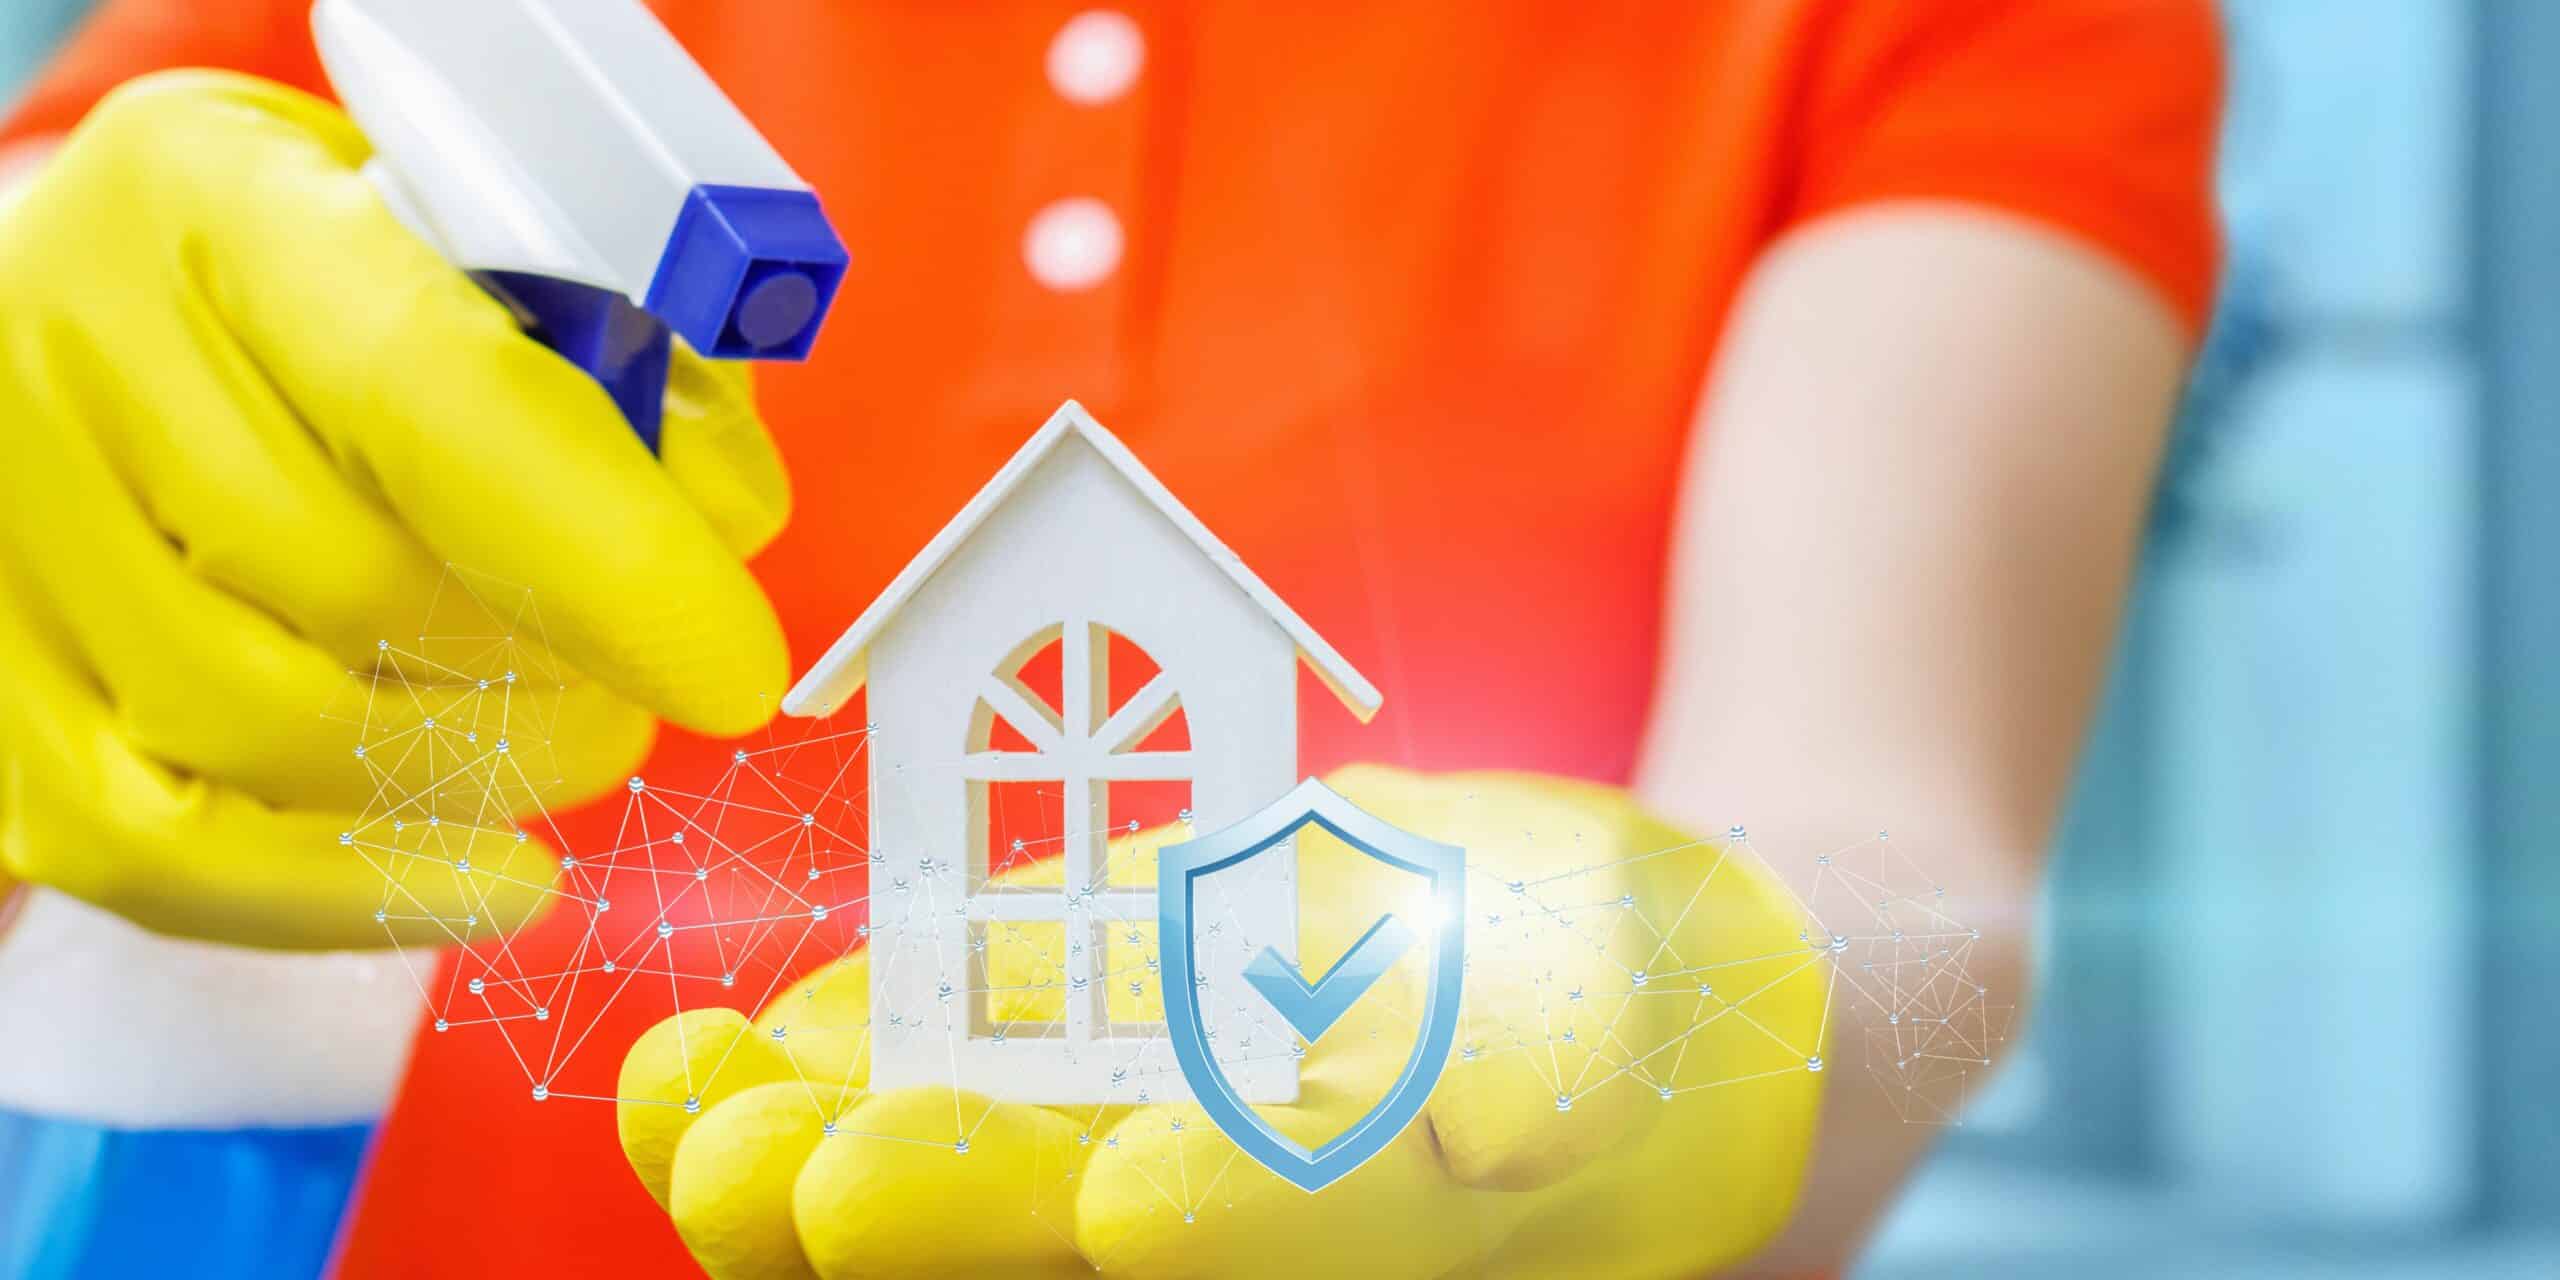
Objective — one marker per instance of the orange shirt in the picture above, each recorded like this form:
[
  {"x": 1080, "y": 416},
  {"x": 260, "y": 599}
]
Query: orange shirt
[{"x": 1414, "y": 310}]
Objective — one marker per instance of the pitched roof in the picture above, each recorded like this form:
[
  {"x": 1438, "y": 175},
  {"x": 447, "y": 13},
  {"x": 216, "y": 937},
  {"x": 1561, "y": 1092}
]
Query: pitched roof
[{"x": 841, "y": 670}]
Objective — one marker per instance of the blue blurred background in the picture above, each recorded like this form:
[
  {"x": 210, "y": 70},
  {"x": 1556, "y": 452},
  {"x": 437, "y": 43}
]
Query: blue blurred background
[
  {"x": 2294, "y": 1019},
  {"x": 28, "y": 31}
]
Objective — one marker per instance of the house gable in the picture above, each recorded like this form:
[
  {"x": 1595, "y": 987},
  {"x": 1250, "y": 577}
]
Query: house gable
[{"x": 844, "y": 667}]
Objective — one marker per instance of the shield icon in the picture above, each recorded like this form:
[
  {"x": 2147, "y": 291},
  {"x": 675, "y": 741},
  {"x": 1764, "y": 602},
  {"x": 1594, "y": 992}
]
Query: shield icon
[{"x": 1312, "y": 1008}]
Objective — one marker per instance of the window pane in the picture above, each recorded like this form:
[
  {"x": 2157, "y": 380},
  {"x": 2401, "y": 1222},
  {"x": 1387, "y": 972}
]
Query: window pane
[
  {"x": 1017, "y": 979},
  {"x": 1141, "y": 817},
  {"x": 1021, "y": 830},
  {"x": 1133, "y": 1002}
]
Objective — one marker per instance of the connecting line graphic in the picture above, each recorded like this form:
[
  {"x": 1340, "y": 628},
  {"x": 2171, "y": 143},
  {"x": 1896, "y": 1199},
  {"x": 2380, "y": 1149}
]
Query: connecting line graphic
[{"x": 754, "y": 889}]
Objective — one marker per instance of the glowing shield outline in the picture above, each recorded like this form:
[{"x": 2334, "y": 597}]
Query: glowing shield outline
[{"x": 1178, "y": 871}]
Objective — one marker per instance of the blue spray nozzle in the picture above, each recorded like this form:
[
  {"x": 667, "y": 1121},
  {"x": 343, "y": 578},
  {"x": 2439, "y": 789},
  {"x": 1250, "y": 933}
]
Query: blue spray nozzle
[
  {"x": 624, "y": 348},
  {"x": 748, "y": 272},
  {"x": 573, "y": 158}
]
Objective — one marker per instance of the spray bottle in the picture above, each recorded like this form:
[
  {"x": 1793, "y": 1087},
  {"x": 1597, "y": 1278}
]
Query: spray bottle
[
  {"x": 573, "y": 159},
  {"x": 570, "y": 156}
]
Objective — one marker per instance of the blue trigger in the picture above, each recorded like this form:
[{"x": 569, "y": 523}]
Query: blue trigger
[{"x": 619, "y": 345}]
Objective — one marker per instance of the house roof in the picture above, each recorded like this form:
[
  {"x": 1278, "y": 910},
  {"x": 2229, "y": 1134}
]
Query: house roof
[{"x": 842, "y": 669}]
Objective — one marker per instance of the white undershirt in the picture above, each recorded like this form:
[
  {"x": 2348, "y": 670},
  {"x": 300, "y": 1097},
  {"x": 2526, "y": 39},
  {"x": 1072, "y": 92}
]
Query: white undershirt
[{"x": 102, "y": 1020}]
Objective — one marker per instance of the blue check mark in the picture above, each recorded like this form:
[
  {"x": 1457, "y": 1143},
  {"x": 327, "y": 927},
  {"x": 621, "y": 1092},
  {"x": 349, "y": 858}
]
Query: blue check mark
[{"x": 1312, "y": 1008}]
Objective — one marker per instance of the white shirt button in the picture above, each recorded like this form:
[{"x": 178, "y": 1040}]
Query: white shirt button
[
  {"x": 1073, "y": 244},
  {"x": 1095, "y": 57}
]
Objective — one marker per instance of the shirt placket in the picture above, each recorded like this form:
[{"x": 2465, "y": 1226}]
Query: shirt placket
[{"x": 1064, "y": 326}]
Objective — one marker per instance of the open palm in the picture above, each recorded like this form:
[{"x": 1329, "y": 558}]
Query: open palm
[{"x": 1621, "y": 975}]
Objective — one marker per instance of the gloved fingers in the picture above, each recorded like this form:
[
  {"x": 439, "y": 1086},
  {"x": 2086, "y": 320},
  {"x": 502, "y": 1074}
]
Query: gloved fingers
[
  {"x": 716, "y": 448},
  {"x": 505, "y": 459},
  {"x": 1555, "y": 1032},
  {"x": 243, "y": 702},
  {"x": 1166, "y": 1194},
  {"x": 449, "y": 748},
  {"x": 87, "y": 814},
  {"x": 201, "y": 434},
  {"x": 91, "y": 813},
  {"x": 1752, "y": 989},
  {"x": 497, "y": 454},
  {"x": 730, "y": 1191},
  {"x": 255, "y": 505},
  {"x": 821, "y": 1024},
  {"x": 1559, "y": 1048},
  {"x": 216, "y": 688},
  {"x": 940, "y": 1182},
  {"x": 1741, "y": 1087},
  {"x": 678, "y": 1071},
  {"x": 1171, "y": 1197},
  {"x": 1644, "y": 965},
  {"x": 450, "y": 882}
]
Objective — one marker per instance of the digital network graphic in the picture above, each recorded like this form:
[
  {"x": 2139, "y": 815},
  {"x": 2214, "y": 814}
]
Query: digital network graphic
[{"x": 753, "y": 889}]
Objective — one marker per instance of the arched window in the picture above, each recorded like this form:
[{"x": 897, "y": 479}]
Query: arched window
[{"x": 1077, "y": 744}]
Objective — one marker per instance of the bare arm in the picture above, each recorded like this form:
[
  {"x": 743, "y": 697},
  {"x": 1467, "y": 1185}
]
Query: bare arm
[{"x": 1906, "y": 531}]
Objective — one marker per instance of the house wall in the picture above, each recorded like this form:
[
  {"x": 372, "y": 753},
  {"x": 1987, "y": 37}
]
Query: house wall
[{"x": 1074, "y": 542}]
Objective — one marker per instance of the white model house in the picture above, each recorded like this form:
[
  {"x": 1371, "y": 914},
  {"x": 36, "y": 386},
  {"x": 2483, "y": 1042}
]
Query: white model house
[{"x": 1073, "y": 553}]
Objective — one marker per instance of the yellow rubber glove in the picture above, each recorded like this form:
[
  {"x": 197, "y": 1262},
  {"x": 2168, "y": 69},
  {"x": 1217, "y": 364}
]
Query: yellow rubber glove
[
  {"x": 725, "y": 1123},
  {"x": 246, "y": 419}
]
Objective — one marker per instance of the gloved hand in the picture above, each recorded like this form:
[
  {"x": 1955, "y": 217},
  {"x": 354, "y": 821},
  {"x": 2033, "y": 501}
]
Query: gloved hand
[
  {"x": 248, "y": 420},
  {"x": 725, "y": 1123}
]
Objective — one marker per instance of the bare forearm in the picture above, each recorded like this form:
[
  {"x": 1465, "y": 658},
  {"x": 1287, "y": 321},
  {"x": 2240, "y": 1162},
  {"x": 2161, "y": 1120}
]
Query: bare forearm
[{"x": 1907, "y": 529}]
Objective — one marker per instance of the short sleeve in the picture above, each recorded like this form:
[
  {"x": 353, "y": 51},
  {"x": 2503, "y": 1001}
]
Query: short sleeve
[
  {"x": 2095, "y": 117},
  {"x": 122, "y": 39}
]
